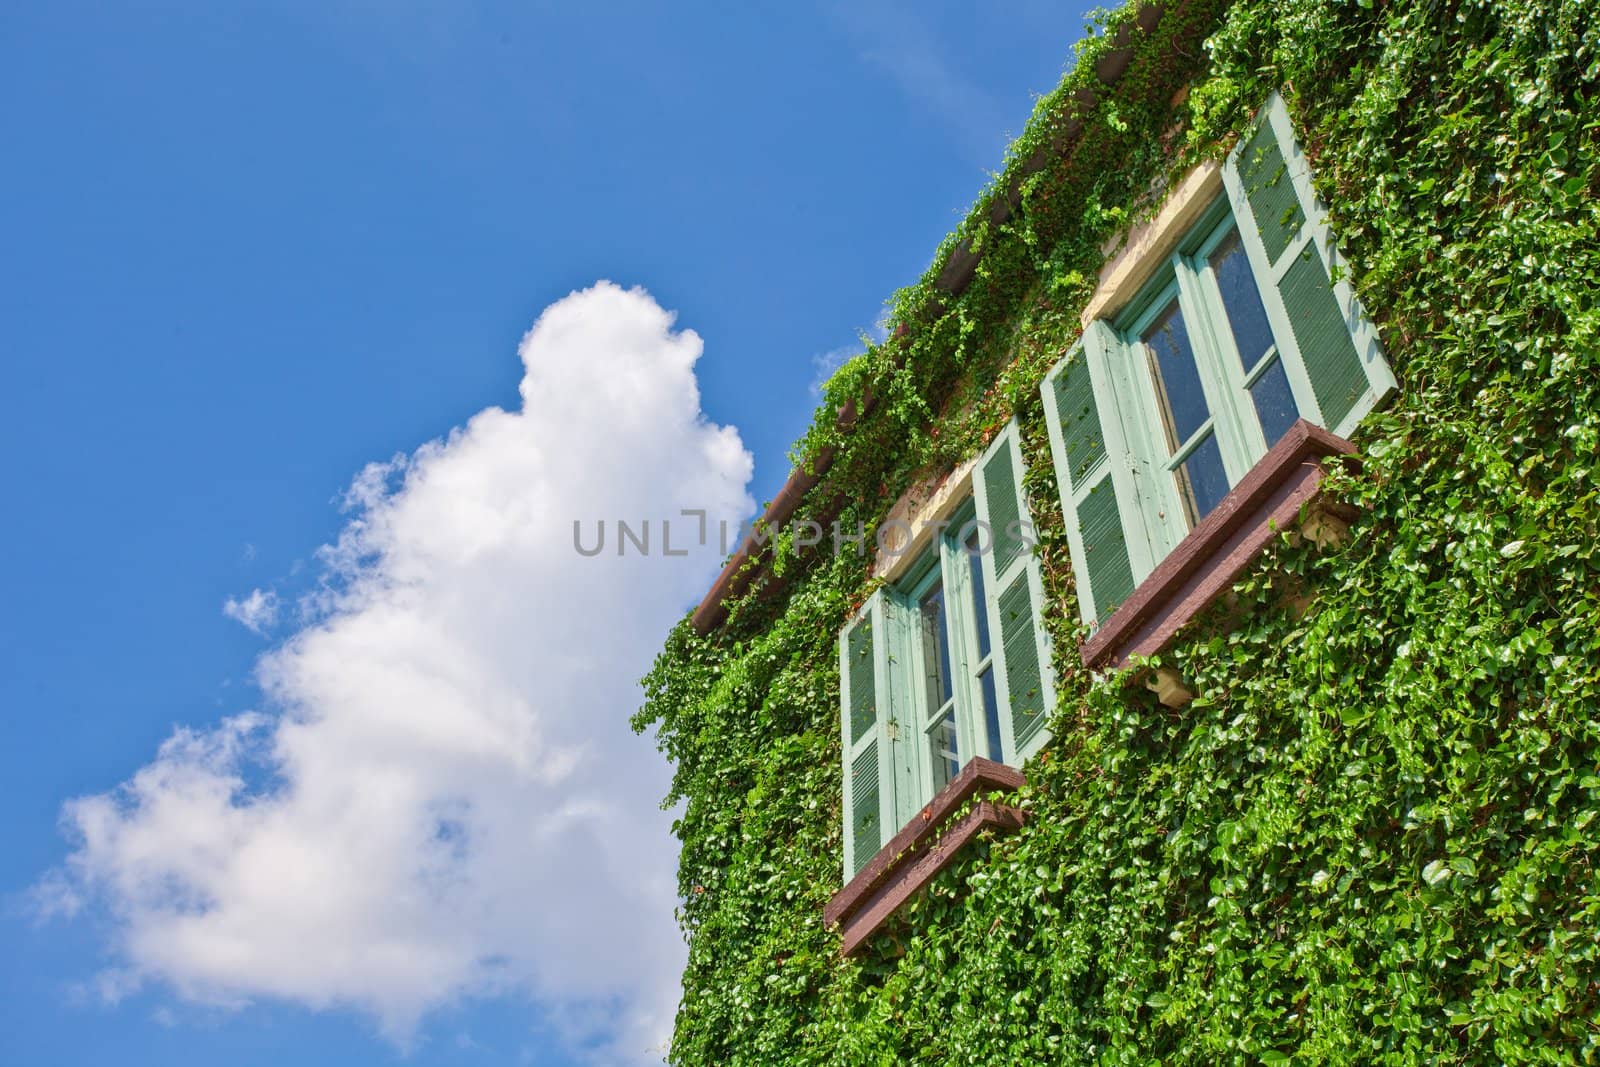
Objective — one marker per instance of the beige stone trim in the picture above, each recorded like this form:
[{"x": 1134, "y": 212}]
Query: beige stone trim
[
  {"x": 1149, "y": 245},
  {"x": 908, "y": 529}
]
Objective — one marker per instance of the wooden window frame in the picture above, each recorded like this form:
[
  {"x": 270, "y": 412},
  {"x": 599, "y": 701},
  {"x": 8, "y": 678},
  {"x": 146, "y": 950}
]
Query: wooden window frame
[
  {"x": 1281, "y": 494},
  {"x": 922, "y": 849}
]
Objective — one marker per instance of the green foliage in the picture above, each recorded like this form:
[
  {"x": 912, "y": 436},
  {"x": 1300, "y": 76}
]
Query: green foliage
[{"x": 1373, "y": 838}]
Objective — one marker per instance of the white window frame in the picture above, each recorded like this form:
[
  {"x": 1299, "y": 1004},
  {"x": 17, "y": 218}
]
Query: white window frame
[
  {"x": 903, "y": 718},
  {"x": 1170, "y": 257}
]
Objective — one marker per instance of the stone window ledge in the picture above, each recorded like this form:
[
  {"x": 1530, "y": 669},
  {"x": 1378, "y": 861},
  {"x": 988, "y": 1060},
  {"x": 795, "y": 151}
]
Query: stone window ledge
[
  {"x": 916, "y": 855},
  {"x": 1282, "y": 492}
]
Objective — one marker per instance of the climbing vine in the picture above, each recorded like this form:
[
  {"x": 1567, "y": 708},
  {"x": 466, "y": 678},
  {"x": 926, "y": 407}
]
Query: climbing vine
[{"x": 1372, "y": 839}]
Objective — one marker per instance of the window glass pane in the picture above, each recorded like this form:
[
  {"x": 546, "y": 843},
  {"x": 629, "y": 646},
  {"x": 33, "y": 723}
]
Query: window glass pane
[
  {"x": 991, "y": 712},
  {"x": 1183, "y": 402},
  {"x": 946, "y": 759},
  {"x": 1274, "y": 402},
  {"x": 935, "y": 646},
  {"x": 980, "y": 612},
  {"x": 1202, "y": 480},
  {"x": 1242, "y": 301}
]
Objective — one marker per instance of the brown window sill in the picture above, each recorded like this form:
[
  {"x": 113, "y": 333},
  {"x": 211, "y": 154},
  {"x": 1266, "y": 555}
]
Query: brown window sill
[
  {"x": 1206, "y": 563},
  {"x": 915, "y": 855}
]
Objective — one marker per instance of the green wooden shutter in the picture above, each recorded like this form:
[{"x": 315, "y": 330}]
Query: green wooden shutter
[
  {"x": 1333, "y": 357},
  {"x": 1099, "y": 476},
  {"x": 899, "y": 644},
  {"x": 876, "y": 762},
  {"x": 1015, "y": 594}
]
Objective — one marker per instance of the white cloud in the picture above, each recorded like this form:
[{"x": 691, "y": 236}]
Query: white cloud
[
  {"x": 256, "y": 612},
  {"x": 825, "y": 364},
  {"x": 896, "y": 38},
  {"x": 445, "y": 800}
]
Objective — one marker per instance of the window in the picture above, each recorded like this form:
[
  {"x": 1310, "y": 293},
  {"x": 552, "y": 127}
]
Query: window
[
  {"x": 1159, "y": 413},
  {"x": 946, "y": 663},
  {"x": 959, "y": 709}
]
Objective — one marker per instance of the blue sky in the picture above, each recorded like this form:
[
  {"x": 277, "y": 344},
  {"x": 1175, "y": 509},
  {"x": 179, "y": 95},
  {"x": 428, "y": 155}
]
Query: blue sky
[{"x": 251, "y": 249}]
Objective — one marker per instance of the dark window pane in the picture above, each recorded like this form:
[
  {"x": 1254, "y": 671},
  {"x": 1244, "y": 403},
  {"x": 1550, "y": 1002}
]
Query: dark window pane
[
  {"x": 1183, "y": 402},
  {"x": 980, "y": 610},
  {"x": 1242, "y": 301},
  {"x": 991, "y": 712},
  {"x": 946, "y": 758},
  {"x": 1202, "y": 480},
  {"x": 935, "y": 647},
  {"x": 1274, "y": 402}
]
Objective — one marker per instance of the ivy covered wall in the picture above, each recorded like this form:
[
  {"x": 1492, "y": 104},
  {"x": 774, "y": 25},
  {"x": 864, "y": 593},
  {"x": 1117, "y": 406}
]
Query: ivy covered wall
[{"x": 1373, "y": 837}]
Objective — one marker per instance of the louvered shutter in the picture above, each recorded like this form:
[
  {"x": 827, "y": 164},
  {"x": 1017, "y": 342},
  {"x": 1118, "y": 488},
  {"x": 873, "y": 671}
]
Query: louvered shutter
[
  {"x": 1015, "y": 596},
  {"x": 871, "y": 775},
  {"x": 1098, "y": 475},
  {"x": 1332, "y": 346}
]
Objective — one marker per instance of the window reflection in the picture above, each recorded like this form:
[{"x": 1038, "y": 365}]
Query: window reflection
[
  {"x": 1182, "y": 399},
  {"x": 1252, "y": 338},
  {"x": 935, "y": 646},
  {"x": 975, "y": 562},
  {"x": 1185, "y": 416},
  {"x": 1274, "y": 402},
  {"x": 1202, "y": 479},
  {"x": 1247, "y": 318},
  {"x": 946, "y": 757},
  {"x": 942, "y": 737}
]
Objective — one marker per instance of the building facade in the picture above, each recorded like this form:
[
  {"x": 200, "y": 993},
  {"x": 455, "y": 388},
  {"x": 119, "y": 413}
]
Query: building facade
[{"x": 1201, "y": 664}]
